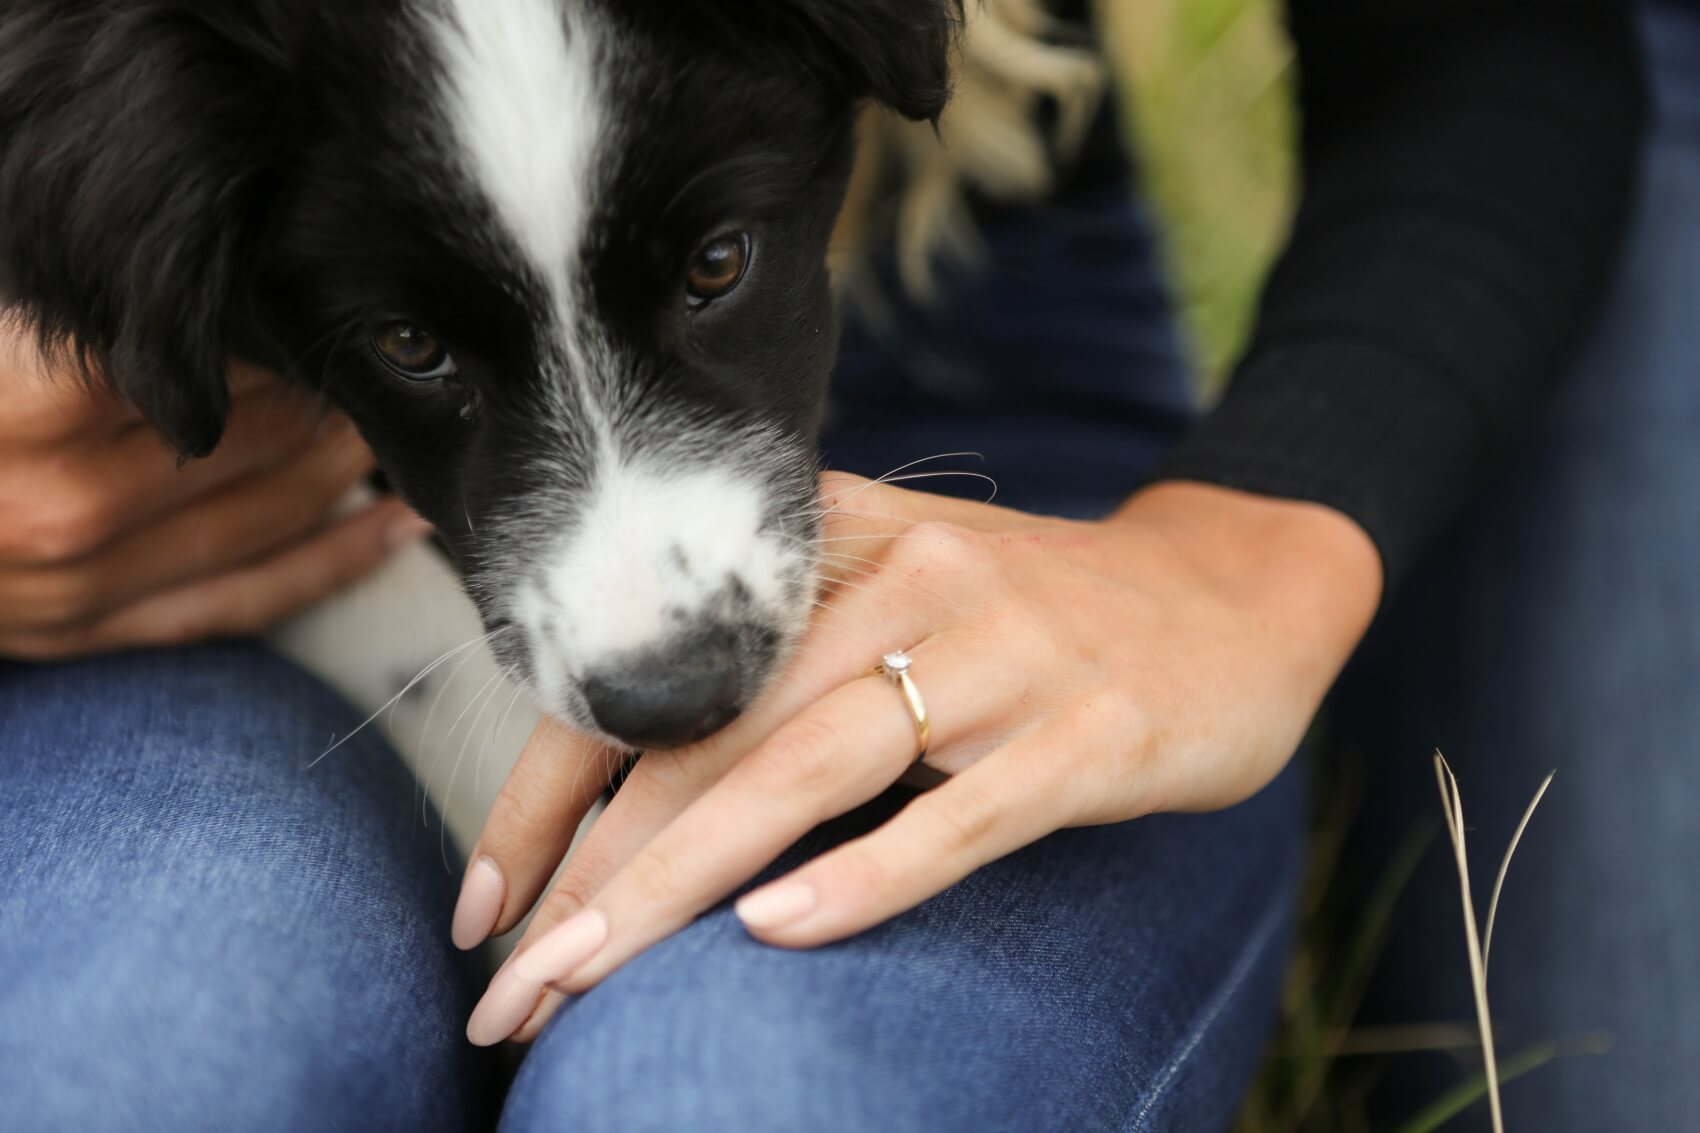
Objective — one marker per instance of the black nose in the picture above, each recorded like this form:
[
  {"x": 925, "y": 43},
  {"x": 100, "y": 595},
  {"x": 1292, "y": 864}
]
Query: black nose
[{"x": 668, "y": 697}]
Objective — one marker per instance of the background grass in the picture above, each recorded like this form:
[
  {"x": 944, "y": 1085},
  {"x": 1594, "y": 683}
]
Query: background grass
[{"x": 1206, "y": 86}]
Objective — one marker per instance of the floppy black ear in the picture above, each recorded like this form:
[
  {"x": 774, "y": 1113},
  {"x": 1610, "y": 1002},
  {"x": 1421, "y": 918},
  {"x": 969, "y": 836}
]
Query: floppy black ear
[
  {"x": 135, "y": 146},
  {"x": 897, "y": 52}
]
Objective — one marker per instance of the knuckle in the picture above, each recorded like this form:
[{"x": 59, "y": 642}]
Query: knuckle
[
  {"x": 568, "y": 896},
  {"x": 1119, "y": 715},
  {"x": 863, "y": 875},
  {"x": 835, "y": 487},
  {"x": 1131, "y": 717},
  {"x": 68, "y": 525},
  {"x": 803, "y": 757},
  {"x": 652, "y": 877},
  {"x": 941, "y": 539},
  {"x": 939, "y": 546},
  {"x": 1027, "y": 634},
  {"x": 964, "y": 817},
  {"x": 586, "y": 873},
  {"x": 515, "y": 816},
  {"x": 63, "y": 598}
]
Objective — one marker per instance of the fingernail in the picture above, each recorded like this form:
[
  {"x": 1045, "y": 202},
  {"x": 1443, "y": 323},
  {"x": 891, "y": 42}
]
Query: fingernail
[
  {"x": 480, "y": 904},
  {"x": 565, "y": 950},
  {"x": 408, "y": 529},
  {"x": 777, "y": 905},
  {"x": 507, "y": 1004}
]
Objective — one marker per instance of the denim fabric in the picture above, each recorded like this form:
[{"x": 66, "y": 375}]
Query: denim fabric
[
  {"x": 1116, "y": 978},
  {"x": 199, "y": 933},
  {"x": 1561, "y": 629}
]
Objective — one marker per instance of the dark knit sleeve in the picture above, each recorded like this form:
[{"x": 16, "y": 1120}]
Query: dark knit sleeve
[{"x": 1468, "y": 167}]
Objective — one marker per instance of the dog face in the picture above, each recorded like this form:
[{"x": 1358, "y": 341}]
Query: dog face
[{"x": 562, "y": 261}]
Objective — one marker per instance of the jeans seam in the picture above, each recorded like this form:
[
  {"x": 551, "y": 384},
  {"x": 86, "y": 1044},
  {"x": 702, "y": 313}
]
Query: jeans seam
[{"x": 1217, "y": 1003}]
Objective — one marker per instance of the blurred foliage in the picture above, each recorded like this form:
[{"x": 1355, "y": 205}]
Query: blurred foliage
[{"x": 1206, "y": 86}]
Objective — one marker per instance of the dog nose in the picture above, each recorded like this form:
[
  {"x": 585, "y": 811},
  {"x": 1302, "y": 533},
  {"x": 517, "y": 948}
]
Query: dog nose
[{"x": 668, "y": 697}]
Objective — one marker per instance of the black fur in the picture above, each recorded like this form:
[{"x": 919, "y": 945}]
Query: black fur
[{"x": 182, "y": 180}]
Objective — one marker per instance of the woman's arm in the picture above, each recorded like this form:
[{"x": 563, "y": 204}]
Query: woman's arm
[{"x": 1468, "y": 166}]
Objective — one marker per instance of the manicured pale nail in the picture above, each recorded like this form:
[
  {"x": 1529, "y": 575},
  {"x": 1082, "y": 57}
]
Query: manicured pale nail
[
  {"x": 480, "y": 904},
  {"x": 566, "y": 949},
  {"x": 506, "y": 1006},
  {"x": 777, "y": 905},
  {"x": 408, "y": 529}
]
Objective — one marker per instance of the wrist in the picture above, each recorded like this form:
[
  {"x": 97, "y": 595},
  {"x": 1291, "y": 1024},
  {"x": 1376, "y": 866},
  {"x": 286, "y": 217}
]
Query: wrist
[{"x": 1301, "y": 566}]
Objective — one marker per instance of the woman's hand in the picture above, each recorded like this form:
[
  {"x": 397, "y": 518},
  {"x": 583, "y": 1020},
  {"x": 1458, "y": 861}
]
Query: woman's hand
[
  {"x": 1167, "y": 659},
  {"x": 106, "y": 542}
]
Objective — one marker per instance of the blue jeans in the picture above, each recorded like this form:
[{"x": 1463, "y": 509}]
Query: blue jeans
[
  {"x": 197, "y": 932},
  {"x": 1560, "y": 629}
]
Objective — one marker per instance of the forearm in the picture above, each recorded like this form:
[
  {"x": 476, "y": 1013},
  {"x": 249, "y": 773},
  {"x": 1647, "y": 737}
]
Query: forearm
[{"x": 1468, "y": 168}]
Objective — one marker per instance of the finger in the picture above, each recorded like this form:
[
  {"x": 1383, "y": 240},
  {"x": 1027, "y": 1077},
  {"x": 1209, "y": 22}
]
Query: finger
[
  {"x": 658, "y": 789},
  {"x": 268, "y": 426},
  {"x": 870, "y": 718},
  {"x": 72, "y": 500},
  {"x": 839, "y": 649},
  {"x": 1008, "y": 800},
  {"x": 842, "y": 753},
  {"x": 516, "y": 1009},
  {"x": 243, "y": 523},
  {"x": 518, "y": 1005},
  {"x": 557, "y": 779},
  {"x": 664, "y": 783},
  {"x": 878, "y": 619},
  {"x": 246, "y": 601}
]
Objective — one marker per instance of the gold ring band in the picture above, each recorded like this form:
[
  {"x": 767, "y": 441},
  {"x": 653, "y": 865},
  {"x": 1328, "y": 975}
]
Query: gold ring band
[{"x": 895, "y": 668}]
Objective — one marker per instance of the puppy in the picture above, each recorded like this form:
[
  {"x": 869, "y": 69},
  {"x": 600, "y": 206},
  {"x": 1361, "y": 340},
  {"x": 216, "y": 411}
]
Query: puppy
[{"x": 563, "y": 262}]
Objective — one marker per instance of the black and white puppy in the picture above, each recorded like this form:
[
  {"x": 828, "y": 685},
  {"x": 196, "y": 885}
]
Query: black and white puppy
[{"x": 562, "y": 261}]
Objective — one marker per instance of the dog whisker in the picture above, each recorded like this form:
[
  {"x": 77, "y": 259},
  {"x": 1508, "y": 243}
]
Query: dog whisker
[
  {"x": 495, "y": 733},
  {"x": 394, "y": 700},
  {"x": 425, "y": 735},
  {"x": 608, "y": 758},
  {"x": 863, "y": 538},
  {"x": 485, "y": 694},
  {"x": 892, "y": 476},
  {"x": 853, "y": 562},
  {"x": 953, "y": 473},
  {"x": 448, "y": 737}
]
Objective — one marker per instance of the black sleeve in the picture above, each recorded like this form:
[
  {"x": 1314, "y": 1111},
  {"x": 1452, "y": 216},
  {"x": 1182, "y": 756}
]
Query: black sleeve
[{"x": 1468, "y": 167}]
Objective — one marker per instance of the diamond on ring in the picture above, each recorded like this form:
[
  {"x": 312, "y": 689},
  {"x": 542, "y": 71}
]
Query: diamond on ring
[{"x": 896, "y": 663}]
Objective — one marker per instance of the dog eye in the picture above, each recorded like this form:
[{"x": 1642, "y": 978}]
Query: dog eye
[
  {"x": 717, "y": 268},
  {"x": 413, "y": 353}
]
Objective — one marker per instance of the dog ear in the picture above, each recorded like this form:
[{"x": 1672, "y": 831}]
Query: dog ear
[
  {"x": 136, "y": 143},
  {"x": 897, "y": 52}
]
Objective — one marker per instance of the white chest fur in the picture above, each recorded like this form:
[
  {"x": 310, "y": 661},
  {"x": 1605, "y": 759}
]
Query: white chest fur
[{"x": 459, "y": 726}]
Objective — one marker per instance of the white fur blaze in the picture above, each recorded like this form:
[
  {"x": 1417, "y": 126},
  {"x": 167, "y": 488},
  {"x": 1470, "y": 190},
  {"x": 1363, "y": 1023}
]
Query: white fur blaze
[{"x": 522, "y": 100}]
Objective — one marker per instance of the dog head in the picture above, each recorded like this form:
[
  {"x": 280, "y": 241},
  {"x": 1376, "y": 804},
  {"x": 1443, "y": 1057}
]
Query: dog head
[{"x": 562, "y": 261}]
